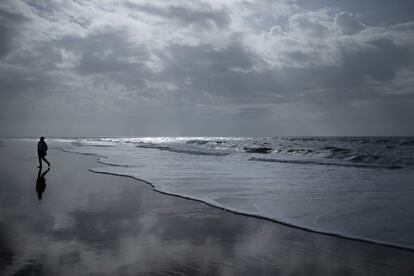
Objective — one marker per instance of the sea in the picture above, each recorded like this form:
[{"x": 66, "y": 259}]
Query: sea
[{"x": 355, "y": 187}]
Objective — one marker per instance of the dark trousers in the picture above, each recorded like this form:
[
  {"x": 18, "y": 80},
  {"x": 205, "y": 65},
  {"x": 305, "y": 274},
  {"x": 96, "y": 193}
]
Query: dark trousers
[{"x": 41, "y": 157}]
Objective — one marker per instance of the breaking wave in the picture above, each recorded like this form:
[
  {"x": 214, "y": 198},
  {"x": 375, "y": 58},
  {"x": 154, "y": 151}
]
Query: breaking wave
[
  {"x": 366, "y": 188},
  {"x": 311, "y": 162},
  {"x": 375, "y": 152}
]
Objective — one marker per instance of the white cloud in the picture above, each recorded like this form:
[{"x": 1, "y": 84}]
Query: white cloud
[{"x": 346, "y": 22}]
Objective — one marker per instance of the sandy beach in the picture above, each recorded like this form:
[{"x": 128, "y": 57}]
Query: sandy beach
[{"x": 94, "y": 224}]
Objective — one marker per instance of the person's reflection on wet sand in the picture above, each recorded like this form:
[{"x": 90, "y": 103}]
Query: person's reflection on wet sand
[{"x": 41, "y": 183}]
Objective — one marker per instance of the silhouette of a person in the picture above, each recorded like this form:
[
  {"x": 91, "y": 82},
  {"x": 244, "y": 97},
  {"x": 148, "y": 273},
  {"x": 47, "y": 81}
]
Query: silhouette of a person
[
  {"x": 41, "y": 183},
  {"x": 42, "y": 151}
]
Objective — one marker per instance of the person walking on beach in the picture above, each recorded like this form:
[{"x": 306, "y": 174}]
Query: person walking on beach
[{"x": 42, "y": 151}]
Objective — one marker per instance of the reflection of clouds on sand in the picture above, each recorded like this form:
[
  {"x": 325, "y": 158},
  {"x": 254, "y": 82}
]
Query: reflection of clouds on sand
[
  {"x": 62, "y": 221},
  {"x": 6, "y": 252},
  {"x": 32, "y": 267},
  {"x": 155, "y": 237}
]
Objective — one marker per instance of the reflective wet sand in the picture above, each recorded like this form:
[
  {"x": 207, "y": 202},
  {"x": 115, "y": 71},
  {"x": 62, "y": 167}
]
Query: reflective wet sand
[{"x": 91, "y": 224}]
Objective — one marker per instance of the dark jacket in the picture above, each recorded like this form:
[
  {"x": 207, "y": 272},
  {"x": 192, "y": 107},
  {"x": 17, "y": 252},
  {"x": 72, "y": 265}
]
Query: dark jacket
[{"x": 41, "y": 147}]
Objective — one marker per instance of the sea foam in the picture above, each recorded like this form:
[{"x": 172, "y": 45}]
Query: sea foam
[{"x": 364, "y": 199}]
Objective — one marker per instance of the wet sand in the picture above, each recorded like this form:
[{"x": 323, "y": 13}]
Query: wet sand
[{"x": 92, "y": 224}]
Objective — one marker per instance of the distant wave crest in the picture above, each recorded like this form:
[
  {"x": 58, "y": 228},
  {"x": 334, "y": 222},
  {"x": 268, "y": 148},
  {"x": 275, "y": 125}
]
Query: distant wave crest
[
  {"x": 363, "y": 152},
  {"x": 312, "y": 162},
  {"x": 186, "y": 149}
]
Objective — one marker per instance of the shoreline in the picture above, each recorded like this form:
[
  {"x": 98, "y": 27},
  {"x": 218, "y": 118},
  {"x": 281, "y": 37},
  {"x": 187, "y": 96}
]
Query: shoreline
[
  {"x": 91, "y": 223},
  {"x": 395, "y": 246},
  {"x": 235, "y": 211}
]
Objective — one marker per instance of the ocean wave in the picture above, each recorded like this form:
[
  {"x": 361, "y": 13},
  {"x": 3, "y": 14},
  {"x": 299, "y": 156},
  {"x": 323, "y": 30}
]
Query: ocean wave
[
  {"x": 306, "y": 139},
  {"x": 299, "y": 151},
  {"x": 306, "y": 195},
  {"x": 367, "y": 151},
  {"x": 366, "y": 158},
  {"x": 92, "y": 144},
  {"x": 186, "y": 149},
  {"x": 258, "y": 149},
  {"x": 152, "y": 146},
  {"x": 407, "y": 143},
  {"x": 198, "y": 142},
  {"x": 322, "y": 163},
  {"x": 337, "y": 149}
]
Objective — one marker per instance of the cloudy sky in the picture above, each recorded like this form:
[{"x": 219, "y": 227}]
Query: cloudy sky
[{"x": 233, "y": 68}]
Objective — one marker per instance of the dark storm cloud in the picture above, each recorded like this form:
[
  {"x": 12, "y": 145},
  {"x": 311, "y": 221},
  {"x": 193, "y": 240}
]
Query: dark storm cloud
[
  {"x": 379, "y": 60},
  {"x": 15, "y": 83},
  {"x": 201, "y": 17},
  {"x": 166, "y": 68},
  {"x": 226, "y": 72},
  {"x": 347, "y": 23},
  {"x": 371, "y": 11},
  {"x": 9, "y": 28},
  {"x": 108, "y": 53}
]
